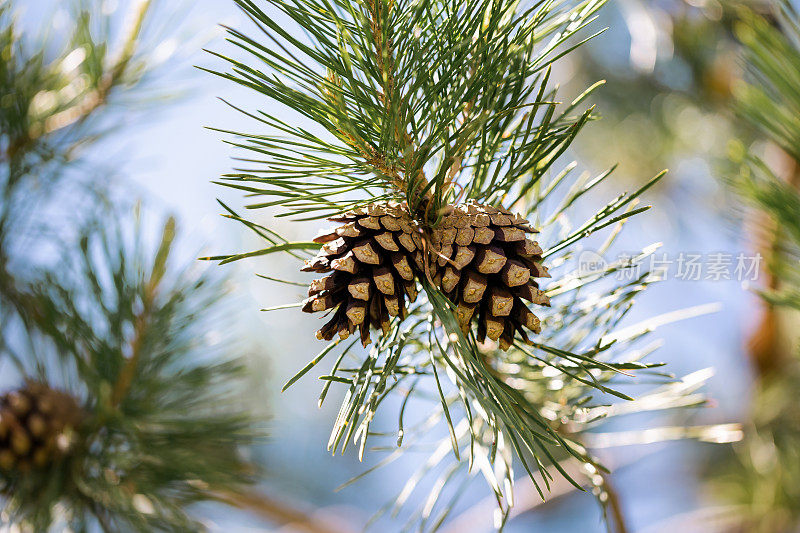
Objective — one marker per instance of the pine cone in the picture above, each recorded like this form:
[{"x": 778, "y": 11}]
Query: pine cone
[
  {"x": 36, "y": 424},
  {"x": 486, "y": 265},
  {"x": 375, "y": 257}
]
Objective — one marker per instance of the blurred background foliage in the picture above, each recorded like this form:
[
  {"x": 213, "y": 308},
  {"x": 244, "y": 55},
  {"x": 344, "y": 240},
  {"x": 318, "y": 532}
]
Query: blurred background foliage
[
  {"x": 760, "y": 477},
  {"x": 716, "y": 83},
  {"x": 670, "y": 67}
]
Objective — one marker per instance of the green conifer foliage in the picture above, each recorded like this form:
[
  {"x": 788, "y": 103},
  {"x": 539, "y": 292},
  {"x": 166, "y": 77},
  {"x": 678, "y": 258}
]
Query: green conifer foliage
[{"x": 436, "y": 106}]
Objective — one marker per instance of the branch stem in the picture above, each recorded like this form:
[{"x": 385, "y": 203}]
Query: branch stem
[
  {"x": 141, "y": 323},
  {"x": 281, "y": 512},
  {"x": 616, "y": 522}
]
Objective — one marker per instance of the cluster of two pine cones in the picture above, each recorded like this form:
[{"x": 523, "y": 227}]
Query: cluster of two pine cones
[{"x": 479, "y": 256}]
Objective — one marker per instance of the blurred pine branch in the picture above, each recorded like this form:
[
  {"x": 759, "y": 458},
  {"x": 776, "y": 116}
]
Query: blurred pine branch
[
  {"x": 759, "y": 478},
  {"x": 92, "y": 310}
]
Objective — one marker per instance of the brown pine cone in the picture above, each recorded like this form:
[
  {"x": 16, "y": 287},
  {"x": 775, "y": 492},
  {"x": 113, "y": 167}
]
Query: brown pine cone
[
  {"x": 36, "y": 426},
  {"x": 375, "y": 257},
  {"x": 486, "y": 265}
]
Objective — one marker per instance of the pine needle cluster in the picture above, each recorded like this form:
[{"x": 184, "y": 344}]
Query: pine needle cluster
[{"x": 435, "y": 104}]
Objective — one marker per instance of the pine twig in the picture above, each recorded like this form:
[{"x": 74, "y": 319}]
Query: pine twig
[
  {"x": 764, "y": 343},
  {"x": 617, "y": 524},
  {"x": 527, "y": 499},
  {"x": 280, "y": 512},
  {"x": 142, "y": 319},
  {"x": 128, "y": 372}
]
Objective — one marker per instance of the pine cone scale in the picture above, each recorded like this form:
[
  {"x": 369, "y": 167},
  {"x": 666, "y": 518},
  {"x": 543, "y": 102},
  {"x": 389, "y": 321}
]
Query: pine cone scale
[
  {"x": 360, "y": 289},
  {"x": 514, "y": 273},
  {"x": 347, "y": 264},
  {"x": 402, "y": 266},
  {"x": 370, "y": 223},
  {"x": 490, "y": 260},
  {"x": 365, "y": 252}
]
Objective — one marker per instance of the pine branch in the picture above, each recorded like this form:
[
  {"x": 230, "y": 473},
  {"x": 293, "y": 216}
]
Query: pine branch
[
  {"x": 614, "y": 504},
  {"x": 60, "y": 115},
  {"x": 767, "y": 102},
  {"x": 142, "y": 318},
  {"x": 433, "y": 103},
  {"x": 98, "y": 97},
  {"x": 281, "y": 512},
  {"x": 108, "y": 325},
  {"x": 393, "y": 99},
  {"x": 162, "y": 412}
]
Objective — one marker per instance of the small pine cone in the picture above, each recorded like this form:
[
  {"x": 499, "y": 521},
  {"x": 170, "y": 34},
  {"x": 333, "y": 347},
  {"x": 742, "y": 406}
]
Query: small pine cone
[
  {"x": 36, "y": 426},
  {"x": 374, "y": 257},
  {"x": 486, "y": 265}
]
